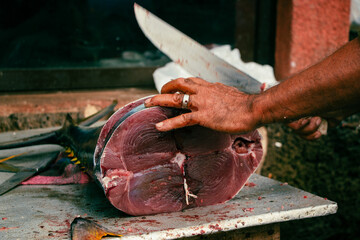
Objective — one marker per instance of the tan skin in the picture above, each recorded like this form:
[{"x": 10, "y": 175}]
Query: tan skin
[{"x": 329, "y": 89}]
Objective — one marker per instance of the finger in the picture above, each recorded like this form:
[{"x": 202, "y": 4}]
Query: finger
[
  {"x": 313, "y": 136},
  {"x": 183, "y": 120},
  {"x": 306, "y": 126},
  {"x": 299, "y": 124},
  {"x": 167, "y": 100},
  {"x": 311, "y": 127},
  {"x": 185, "y": 85}
]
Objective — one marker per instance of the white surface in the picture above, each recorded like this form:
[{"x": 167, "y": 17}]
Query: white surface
[{"x": 37, "y": 212}]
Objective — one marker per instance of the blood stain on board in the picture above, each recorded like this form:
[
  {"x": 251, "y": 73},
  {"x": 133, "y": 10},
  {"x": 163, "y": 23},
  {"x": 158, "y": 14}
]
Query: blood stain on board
[
  {"x": 250, "y": 184},
  {"x": 215, "y": 227}
]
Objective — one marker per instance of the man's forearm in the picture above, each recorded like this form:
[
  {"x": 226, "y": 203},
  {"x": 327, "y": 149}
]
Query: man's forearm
[{"x": 331, "y": 85}]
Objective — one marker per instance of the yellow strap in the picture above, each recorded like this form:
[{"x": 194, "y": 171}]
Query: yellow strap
[{"x": 13, "y": 156}]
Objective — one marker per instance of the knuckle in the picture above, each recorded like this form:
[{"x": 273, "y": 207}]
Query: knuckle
[
  {"x": 176, "y": 81},
  {"x": 197, "y": 80},
  {"x": 177, "y": 98},
  {"x": 189, "y": 80},
  {"x": 186, "y": 118}
]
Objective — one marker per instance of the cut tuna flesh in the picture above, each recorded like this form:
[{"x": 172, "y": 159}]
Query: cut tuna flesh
[{"x": 145, "y": 171}]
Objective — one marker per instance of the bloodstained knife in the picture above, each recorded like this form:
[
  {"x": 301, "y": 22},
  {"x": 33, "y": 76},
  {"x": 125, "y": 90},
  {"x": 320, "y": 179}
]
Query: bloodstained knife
[{"x": 191, "y": 55}]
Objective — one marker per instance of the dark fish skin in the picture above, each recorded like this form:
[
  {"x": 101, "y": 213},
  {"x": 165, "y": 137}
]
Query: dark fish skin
[
  {"x": 79, "y": 140},
  {"x": 80, "y": 143}
]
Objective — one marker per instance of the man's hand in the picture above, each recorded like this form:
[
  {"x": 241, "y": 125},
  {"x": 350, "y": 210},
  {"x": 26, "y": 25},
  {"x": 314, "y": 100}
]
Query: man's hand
[
  {"x": 307, "y": 128},
  {"x": 215, "y": 106}
]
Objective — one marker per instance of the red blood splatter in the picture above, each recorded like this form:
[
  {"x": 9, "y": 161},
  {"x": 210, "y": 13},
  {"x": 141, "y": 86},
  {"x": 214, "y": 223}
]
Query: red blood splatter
[
  {"x": 190, "y": 217},
  {"x": 223, "y": 216},
  {"x": 65, "y": 230},
  {"x": 7, "y": 228},
  {"x": 4, "y": 218},
  {"x": 216, "y": 227},
  {"x": 180, "y": 62},
  {"x": 248, "y": 209},
  {"x": 143, "y": 221},
  {"x": 305, "y": 196},
  {"x": 259, "y": 198},
  {"x": 250, "y": 184},
  {"x": 202, "y": 232},
  {"x": 67, "y": 222},
  {"x": 262, "y": 87},
  {"x": 325, "y": 198}
]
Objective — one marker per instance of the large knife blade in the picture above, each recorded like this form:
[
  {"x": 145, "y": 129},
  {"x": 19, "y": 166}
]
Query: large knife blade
[{"x": 191, "y": 55}]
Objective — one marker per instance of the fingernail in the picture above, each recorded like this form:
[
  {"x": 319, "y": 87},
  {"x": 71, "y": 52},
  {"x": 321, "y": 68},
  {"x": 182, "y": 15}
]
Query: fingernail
[
  {"x": 159, "y": 125},
  {"x": 318, "y": 122},
  {"x": 147, "y": 101}
]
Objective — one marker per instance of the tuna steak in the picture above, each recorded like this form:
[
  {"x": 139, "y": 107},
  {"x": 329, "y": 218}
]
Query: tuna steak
[{"x": 145, "y": 171}]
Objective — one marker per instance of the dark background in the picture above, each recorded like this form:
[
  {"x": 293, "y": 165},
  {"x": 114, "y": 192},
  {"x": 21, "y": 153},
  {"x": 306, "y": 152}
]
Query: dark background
[{"x": 68, "y": 33}]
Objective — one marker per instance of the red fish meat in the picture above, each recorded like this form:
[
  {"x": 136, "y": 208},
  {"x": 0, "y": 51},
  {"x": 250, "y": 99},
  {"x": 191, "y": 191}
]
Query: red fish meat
[{"x": 145, "y": 171}]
